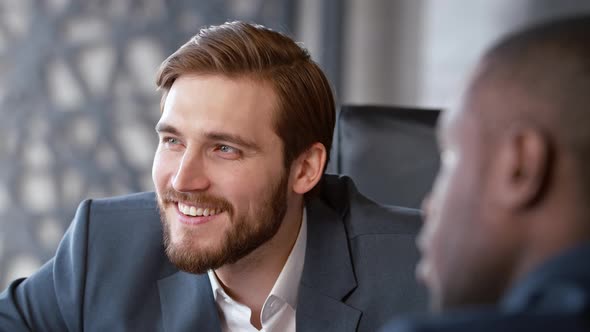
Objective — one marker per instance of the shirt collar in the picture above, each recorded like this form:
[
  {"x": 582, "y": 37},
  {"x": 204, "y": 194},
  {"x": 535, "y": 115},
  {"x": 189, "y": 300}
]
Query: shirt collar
[
  {"x": 216, "y": 287},
  {"x": 286, "y": 287}
]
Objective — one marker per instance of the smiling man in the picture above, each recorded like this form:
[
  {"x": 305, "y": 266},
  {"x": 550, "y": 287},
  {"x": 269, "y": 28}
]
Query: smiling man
[{"x": 244, "y": 232}]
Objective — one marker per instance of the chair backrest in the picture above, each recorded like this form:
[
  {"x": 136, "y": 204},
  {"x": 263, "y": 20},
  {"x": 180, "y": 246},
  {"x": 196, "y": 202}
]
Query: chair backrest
[{"x": 390, "y": 152}]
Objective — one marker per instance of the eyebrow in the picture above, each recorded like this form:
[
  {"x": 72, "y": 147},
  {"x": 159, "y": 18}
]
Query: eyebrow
[{"x": 162, "y": 127}]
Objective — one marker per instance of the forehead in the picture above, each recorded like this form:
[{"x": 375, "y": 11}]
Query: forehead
[
  {"x": 197, "y": 103},
  {"x": 464, "y": 118},
  {"x": 449, "y": 124}
]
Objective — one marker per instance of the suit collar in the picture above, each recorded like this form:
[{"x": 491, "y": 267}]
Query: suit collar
[
  {"x": 328, "y": 275},
  {"x": 187, "y": 303}
]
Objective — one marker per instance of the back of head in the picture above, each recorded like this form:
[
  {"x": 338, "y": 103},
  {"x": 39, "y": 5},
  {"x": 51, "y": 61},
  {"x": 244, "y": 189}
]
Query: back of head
[
  {"x": 513, "y": 182},
  {"x": 544, "y": 75},
  {"x": 306, "y": 110}
]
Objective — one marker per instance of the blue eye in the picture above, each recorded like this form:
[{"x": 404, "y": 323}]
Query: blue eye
[
  {"x": 228, "y": 152},
  {"x": 170, "y": 140},
  {"x": 227, "y": 149}
]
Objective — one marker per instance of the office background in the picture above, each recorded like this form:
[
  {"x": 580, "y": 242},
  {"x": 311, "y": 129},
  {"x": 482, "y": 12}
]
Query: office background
[{"x": 78, "y": 101}]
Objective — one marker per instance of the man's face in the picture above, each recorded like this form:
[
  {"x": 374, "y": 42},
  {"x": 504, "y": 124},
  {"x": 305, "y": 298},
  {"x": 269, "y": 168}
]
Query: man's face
[
  {"x": 218, "y": 171},
  {"x": 458, "y": 243}
]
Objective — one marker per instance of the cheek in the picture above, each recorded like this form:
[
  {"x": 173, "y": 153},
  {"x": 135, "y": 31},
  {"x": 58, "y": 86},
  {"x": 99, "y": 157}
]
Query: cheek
[
  {"x": 162, "y": 169},
  {"x": 452, "y": 190},
  {"x": 443, "y": 211},
  {"x": 246, "y": 186},
  {"x": 452, "y": 227}
]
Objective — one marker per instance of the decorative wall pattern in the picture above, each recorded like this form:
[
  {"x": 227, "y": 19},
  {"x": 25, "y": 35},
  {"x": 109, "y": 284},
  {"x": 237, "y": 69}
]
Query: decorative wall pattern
[{"x": 78, "y": 105}]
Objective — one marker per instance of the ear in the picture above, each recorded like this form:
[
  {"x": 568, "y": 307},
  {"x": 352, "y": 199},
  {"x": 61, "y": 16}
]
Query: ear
[
  {"x": 308, "y": 168},
  {"x": 523, "y": 165}
]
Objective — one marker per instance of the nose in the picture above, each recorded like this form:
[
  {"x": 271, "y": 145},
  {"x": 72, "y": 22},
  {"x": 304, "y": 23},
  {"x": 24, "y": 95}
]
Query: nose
[{"x": 191, "y": 174}]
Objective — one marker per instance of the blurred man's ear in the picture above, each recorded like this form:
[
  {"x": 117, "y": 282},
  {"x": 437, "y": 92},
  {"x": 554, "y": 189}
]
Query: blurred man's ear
[
  {"x": 522, "y": 167},
  {"x": 308, "y": 168}
]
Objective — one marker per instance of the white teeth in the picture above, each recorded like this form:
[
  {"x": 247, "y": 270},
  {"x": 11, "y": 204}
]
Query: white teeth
[{"x": 194, "y": 211}]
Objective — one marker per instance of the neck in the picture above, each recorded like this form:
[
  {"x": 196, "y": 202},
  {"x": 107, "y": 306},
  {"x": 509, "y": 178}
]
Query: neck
[
  {"x": 557, "y": 228},
  {"x": 250, "y": 280},
  {"x": 558, "y": 221}
]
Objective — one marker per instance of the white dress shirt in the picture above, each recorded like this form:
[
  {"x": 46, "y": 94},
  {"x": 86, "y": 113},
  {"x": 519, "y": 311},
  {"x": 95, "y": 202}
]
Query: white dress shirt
[{"x": 278, "y": 311}]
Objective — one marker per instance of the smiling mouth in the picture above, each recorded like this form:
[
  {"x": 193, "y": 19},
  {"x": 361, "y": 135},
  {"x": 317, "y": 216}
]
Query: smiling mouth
[{"x": 197, "y": 211}]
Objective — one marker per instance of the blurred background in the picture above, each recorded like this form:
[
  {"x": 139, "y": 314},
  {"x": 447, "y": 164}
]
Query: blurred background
[{"x": 78, "y": 103}]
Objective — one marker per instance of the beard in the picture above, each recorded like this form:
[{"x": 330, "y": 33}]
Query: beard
[{"x": 246, "y": 232}]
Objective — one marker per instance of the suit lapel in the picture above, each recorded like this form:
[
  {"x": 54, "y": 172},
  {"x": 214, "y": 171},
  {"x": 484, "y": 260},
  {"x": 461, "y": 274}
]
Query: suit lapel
[
  {"x": 187, "y": 303},
  {"x": 328, "y": 276}
]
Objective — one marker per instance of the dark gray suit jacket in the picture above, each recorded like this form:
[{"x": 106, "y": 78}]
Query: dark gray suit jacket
[
  {"x": 554, "y": 297},
  {"x": 110, "y": 272}
]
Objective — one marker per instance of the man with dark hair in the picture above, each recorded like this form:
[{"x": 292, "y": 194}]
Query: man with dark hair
[
  {"x": 507, "y": 221},
  {"x": 244, "y": 232}
]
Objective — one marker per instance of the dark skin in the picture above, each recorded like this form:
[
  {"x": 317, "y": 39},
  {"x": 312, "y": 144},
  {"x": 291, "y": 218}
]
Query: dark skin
[{"x": 512, "y": 191}]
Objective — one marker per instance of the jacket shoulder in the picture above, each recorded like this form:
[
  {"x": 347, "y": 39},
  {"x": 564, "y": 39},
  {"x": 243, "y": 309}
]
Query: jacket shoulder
[
  {"x": 125, "y": 254},
  {"x": 364, "y": 216},
  {"x": 136, "y": 201},
  {"x": 123, "y": 223},
  {"x": 129, "y": 221},
  {"x": 383, "y": 253}
]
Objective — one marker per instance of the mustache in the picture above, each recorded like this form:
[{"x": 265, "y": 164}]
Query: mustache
[{"x": 196, "y": 199}]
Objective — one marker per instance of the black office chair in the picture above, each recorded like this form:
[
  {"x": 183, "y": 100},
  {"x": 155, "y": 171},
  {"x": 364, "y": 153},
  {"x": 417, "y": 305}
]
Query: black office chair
[{"x": 390, "y": 152}]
